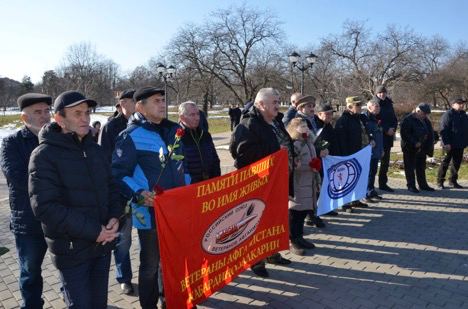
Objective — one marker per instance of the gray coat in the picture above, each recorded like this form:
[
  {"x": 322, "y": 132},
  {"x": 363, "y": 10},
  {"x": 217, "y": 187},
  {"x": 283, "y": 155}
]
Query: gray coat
[{"x": 305, "y": 186}]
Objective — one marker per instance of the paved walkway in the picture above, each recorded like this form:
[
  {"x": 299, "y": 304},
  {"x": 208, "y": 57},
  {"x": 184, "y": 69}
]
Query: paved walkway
[{"x": 408, "y": 251}]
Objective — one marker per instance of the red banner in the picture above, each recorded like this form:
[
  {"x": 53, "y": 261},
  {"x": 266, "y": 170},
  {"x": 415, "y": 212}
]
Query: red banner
[{"x": 211, "y": 231}]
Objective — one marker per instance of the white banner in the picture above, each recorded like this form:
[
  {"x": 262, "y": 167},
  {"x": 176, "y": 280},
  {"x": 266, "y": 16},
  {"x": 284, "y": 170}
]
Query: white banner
[{"x": 344, "y": 180}]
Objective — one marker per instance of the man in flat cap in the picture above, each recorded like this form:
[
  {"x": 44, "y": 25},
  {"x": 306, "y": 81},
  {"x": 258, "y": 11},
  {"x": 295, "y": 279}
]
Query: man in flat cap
[
  {"x": 107, "y": 139},
  {"x": 73, "y": 194},
  {"x": 417, "y": 141},
  {"x": 29, "y": 238},
  {"x": 454, "y": 133},
  {"x": 389, "y": 123},
  {"x": 137, "y": 164},
  {"x": 351, "y": 135}
]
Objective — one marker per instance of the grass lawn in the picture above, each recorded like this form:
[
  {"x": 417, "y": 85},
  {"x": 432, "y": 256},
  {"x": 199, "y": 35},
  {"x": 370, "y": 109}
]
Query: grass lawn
[
  {"x": 7, "y": 119},
  {"x": 431, "y": 170}
]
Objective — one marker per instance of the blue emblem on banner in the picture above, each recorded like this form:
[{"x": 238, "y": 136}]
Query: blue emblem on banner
[{"x": 343, "y": 178}]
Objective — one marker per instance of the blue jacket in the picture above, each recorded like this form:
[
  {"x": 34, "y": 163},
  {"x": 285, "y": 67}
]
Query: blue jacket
[
  {"x": 454, "y": 129},
  {"x": 289, "y": 115},
  {"x": 137, "y": 166},
  {"x": 374, "y": 130},
  {"x": 15, "y": 153}
]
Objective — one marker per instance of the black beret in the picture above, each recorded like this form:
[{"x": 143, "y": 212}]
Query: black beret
[
  {"x": 425, "y": 108},
  {"x": 71, "y": 98},
  {"x": 29, "y": 99},
  {"x": 146, "y": 92},
  {"x": 380, "y": 89},
  {"x": 324, "y": 107},
  {"x": 127, "y": 94}
]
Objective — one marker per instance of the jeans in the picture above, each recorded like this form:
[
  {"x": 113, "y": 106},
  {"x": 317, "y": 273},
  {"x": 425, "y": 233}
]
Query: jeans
[
  {"x": 148, "y": 286},
  {"x": 31, "y": 250},
  {"x": 374, "y": 162},
  {"x": 123, "y": 267},
  {"x": 85, "y": 286}
]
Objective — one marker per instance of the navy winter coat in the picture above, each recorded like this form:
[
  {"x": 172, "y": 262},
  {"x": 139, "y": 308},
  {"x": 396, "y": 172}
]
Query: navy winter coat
[
  {"x": 73, "y": 194},
  {"x": 350, "y": 133},
  {"x": 201, "y": 158},
  {"x": 109, "y": 134},
  {"x": 15, "y": 153},
  {"x": 454, "y": 129}
]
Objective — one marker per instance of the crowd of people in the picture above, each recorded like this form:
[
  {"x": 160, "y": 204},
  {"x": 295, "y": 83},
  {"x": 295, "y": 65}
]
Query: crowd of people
[{"x": 79, "y": 191}]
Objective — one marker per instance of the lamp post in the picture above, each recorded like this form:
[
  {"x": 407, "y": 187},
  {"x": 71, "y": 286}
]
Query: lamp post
[
  {"x": 164, "y": 75},
  {"x": 294, "y": 60}
]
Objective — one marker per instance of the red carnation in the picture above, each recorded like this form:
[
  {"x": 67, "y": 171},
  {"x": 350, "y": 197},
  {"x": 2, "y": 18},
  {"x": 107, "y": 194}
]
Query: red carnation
[
  {"x": 305, "y": 135},
  {"x": 158, "y": 190},
  {"x": 179, "y": 133},
  {"x": 316, "y": 164}
]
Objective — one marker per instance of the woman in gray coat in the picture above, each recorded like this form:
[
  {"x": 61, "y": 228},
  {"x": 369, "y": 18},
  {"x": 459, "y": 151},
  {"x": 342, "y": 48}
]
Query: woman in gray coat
[{"x": 305, "y": 187}]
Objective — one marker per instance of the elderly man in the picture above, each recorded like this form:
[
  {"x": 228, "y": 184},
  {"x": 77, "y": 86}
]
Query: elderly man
[
  {"x": 201, "y": 158},
  {"x": 260, "y": 134},
  {"x": 454, "y": 132},
  {"x": 417, "y": 141},
  {"x": 73, "y": 194},
  {"x": 351, "y": 135},
  {"x": 389, "y": 123},
  {"x": 140, "y": 162},
  {"x": 107, "y": 138},
  {"x": 29, "y": 238},
  {"x": 292, "y": 111}
]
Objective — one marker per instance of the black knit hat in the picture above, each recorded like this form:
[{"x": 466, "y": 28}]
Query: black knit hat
[
  {"x": 425, "y": 108},
  {"x": 31, "y": 98},
  {"x": 146, "y": 92},
  {"x": 71, "y": 98}
]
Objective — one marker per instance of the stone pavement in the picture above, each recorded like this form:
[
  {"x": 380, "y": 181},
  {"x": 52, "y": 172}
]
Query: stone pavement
[{"x": 408, "y": 251}]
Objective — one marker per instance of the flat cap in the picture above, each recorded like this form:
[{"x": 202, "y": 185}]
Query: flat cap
[
  {"x": 425, "y": 108},
  {"x": 380, "y": 89},
  {"x": 323, "y": 107},
  {"x": 302, "y": 100},
  {"x": 146, "y": 92},
  {"x": 31, "y": 98},
  {"x": 127, "y": 94},
  {"x": 71, "y": 98},
  {"x": 457, "y": 99},
  {"x": 353, "y": 100}
]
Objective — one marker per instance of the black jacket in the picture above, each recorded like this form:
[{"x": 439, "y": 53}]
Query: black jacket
[
  {"x": 201, "y": 158},
  {"x": 327, "y": 134},
  {"x": 412, "y": 131},
  {"x": 388, "y": 120},
  {"x": 350, "y": 133},
  {"x": 15, "y": 153},
  {"x": 109, "y": 134},
  {"x": 254, "y": 139},
  {"x": 73, "y": 194},
  {"x": 454, "y": 129}
]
